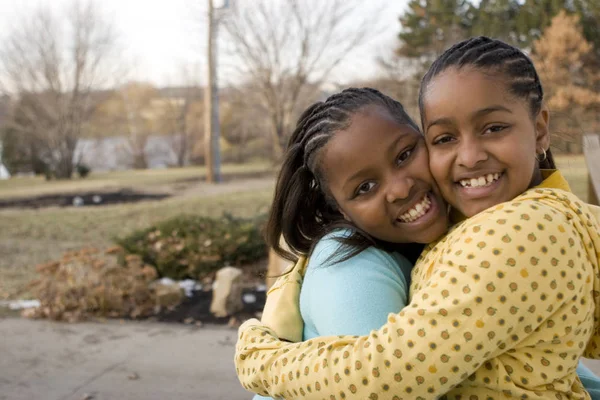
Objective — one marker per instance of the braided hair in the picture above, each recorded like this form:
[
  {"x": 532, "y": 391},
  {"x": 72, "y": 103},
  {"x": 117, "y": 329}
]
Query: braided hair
[
  {"x": 491, "y": 54},
  {"x": 303, "y": 209}
]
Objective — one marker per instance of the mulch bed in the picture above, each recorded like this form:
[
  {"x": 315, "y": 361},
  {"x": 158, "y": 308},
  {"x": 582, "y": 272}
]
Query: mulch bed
[
  {"x": 197, "y": 308},
  {"x": 81, "y": 199}
]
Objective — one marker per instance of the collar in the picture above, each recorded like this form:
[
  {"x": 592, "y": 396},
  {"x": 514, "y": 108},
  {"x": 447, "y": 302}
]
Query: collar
[{"x": 553, "y": 179}]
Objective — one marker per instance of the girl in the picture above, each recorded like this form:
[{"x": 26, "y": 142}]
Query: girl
[
  {"x": 508, "y": 299},
  {"x": 323, "y": 208}
]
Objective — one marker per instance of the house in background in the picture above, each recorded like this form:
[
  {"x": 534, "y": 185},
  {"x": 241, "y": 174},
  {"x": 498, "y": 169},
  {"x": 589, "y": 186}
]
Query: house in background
[{"x": 4, "y": 174}]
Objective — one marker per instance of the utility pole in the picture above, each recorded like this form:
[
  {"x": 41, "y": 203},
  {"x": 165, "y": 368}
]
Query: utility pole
[{"x": 212, "y": 153}]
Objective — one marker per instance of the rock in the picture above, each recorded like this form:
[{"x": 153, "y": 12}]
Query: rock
[
  {"x": 207, "y": 283},
  {"x": 234, "y": 323},
  {"x": 133, "y": 377},
  {"x": 227, "y": 292},
  {"x": 77, "y": 201},
  {"x": 30, "y": 313},
  {"x": 167, "y": 295},
  {"x": 189, "y": 286}
]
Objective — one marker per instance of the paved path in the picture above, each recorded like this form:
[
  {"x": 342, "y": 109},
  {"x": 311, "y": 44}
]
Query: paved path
[
  {"x": 125, "y": 361},
  {"x": 42, "y": 360}
]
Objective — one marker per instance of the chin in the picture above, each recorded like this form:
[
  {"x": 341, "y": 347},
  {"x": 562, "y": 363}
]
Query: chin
[{"x": 433, "y": 235}]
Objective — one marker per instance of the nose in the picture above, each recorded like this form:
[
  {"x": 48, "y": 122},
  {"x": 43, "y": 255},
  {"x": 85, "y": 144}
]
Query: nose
[
  {"x": 398, "y": 187},
  {"x": 470, "y": 153}
]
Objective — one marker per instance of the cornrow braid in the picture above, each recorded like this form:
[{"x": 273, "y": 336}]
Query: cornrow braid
[
  {"x": 485, "y": 53},
  {"x": 303, "y": 210}
]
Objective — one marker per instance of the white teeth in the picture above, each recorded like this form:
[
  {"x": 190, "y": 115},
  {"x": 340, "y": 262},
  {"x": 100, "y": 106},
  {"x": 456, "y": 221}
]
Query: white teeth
[
  {"x": 482, "y": 181},
  {"x": 417, "y": 211}
]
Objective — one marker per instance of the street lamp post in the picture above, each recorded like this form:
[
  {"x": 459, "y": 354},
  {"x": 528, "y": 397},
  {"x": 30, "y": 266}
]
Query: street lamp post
[{"x": 212, "y": 153}]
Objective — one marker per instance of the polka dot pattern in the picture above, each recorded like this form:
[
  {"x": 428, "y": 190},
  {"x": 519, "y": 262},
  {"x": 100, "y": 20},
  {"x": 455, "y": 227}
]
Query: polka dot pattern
[{"x": 503, "y": 306}]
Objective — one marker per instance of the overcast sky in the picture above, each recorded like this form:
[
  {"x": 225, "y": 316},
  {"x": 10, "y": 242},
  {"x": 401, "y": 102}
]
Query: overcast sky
[{"x": 162, "y": 35}]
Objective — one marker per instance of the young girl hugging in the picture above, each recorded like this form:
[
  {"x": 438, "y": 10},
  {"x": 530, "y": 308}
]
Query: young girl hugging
[
  {"x": 502, "y": 306},
  {"x": 355, "y": 195}
]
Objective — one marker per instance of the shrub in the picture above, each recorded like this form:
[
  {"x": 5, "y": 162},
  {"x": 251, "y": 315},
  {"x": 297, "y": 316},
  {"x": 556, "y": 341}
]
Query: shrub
[
  {"x": 92, "y": 283},
  {"x": 195, "y": 246},
  {"x": 83, "y": 170}
]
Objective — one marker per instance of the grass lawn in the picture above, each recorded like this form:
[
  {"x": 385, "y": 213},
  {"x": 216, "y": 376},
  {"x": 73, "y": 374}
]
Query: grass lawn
[
  {"x": 99, "y": 181},
  {"x": 29, "y": 237}
]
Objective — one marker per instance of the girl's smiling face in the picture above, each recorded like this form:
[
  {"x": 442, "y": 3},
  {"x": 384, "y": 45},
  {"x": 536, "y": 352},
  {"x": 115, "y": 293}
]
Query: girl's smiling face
[
  {"x": 482, "y": 139},
  {"x": 377, "y": 172}
]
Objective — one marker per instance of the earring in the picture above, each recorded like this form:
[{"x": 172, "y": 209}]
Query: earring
[{"x": 541, "y": 157}]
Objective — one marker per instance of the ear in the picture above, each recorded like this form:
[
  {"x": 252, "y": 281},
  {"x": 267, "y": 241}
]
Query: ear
[
  {"x": 542, "y": 130},
  {"x": 346, "y": 217}
]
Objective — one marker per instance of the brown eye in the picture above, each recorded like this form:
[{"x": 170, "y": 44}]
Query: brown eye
[
  {"x": 442, "y": 139},
  {"x": 364, "y": 188},
  {"x": 405, "y": 155},
  {"x": 495, "y": 128}
]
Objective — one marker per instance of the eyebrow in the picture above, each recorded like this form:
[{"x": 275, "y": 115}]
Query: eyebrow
[{"x": 477, "y": 114}]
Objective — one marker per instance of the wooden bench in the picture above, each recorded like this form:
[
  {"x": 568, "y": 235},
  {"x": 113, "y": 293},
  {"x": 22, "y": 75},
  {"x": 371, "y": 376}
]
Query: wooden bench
[{"x": 591, "y": 150}]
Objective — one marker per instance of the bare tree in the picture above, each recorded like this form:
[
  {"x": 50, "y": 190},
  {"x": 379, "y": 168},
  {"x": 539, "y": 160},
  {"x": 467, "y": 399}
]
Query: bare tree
[
  {"x": 287, "y": 48},
  {"x": 51, "y": 63},
  {"x": 243, "y": 124},
  {"x": 181, "y": 119},
  {"x": 140, "y": 121},
  {"x": 400, "y": 78}
]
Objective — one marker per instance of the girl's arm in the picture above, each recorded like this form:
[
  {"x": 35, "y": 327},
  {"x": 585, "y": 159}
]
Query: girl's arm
[
  {"x": 590, "y": 381},
  {"x": 477, "y": 303},
  {"x": 352, "y": 297}
]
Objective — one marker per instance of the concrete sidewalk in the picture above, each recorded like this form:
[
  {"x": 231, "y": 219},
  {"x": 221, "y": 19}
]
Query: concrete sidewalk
[
  {"x": 42, "y": 360},
  {"x": 123, "y": 361}
]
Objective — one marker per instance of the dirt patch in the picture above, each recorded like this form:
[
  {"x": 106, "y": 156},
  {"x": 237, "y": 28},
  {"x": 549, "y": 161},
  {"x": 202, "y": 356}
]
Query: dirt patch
[
  {"x": 197, "y": 308},
  {"x": 81, "y": 199}
]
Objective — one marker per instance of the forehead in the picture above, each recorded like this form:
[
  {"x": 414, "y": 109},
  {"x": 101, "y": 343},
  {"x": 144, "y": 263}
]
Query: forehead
[
  {"x": 456, "y": 91},
  {"x": 364, "y": 142},
  {"x": 368, "y": 130}
]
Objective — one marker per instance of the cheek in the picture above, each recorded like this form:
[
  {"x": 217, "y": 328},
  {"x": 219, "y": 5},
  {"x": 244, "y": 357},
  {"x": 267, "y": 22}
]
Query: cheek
[
  {"x": 519, "y": 155},
  {"x": 439, "y": 166},
  {"x": 367, "y": 212},
  {"x": 421, "y": 166},
  {"x": 367, "y": 216}
]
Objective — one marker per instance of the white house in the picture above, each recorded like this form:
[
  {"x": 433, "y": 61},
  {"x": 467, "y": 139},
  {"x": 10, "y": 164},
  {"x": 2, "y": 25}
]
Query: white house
[{"x": 4, "y": 174}]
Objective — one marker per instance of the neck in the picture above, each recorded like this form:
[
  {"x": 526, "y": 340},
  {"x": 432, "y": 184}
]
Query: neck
[{"x": 537, "y": 178}]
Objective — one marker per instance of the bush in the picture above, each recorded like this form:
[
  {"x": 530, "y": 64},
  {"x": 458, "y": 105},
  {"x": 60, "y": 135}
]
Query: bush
[
  {"x": 83, "y": 170},
  {"x": 92, "y": 283},
  {"x": 194, "y": 246}
]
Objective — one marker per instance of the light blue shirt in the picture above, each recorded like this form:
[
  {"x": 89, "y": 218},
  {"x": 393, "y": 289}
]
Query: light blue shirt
[{"x": 355, "y": 296}]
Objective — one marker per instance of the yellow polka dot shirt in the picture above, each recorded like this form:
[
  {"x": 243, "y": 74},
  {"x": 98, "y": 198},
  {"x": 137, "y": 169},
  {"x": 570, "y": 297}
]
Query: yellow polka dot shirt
[{"x": 502, "y": 307}]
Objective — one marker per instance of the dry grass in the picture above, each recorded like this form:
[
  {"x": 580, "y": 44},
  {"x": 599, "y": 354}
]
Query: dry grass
[
  {"x": 29, "y": 237},
  {"x": 102, "y": 181}
]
